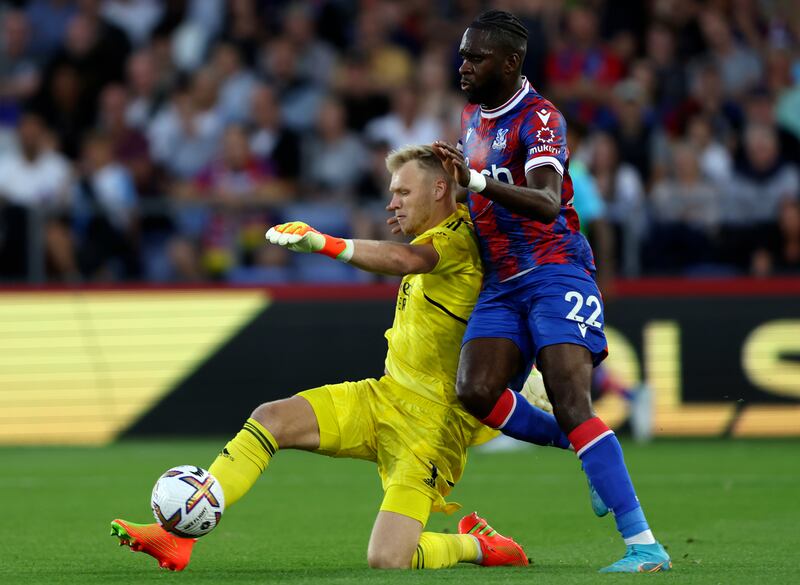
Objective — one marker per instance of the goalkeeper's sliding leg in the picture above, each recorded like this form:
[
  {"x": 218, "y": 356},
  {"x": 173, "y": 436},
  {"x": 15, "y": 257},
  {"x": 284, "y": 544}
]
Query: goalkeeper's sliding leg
[{"x": 397, "y": 540}]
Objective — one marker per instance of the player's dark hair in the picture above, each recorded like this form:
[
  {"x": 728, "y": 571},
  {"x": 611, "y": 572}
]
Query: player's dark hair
[{"x": 505, "y": 30}]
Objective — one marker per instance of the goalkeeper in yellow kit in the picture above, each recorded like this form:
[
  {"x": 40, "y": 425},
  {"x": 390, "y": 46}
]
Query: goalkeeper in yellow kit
[{"x": 410, "y": 421}]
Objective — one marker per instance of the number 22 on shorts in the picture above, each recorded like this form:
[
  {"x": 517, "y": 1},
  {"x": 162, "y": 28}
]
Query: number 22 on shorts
[{"x": 575, "y": 297}]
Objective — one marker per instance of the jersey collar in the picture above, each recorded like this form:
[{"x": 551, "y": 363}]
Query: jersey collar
[{"x": 510, "y": 104}]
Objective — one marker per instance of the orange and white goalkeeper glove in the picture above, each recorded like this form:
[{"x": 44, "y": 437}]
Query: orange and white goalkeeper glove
[{"x": 301, "y": 237}]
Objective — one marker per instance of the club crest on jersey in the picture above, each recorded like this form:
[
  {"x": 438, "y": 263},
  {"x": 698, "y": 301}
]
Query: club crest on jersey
[{"x": 500, "y": 140}]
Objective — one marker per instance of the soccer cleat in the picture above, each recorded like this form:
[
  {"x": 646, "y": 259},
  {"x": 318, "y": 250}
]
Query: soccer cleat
[
  {"x": 171, "y": 552},
  {"x": 598, "y": 505},
  {"x": 496, "y": 549},
  {"x": 641, "y": 558}
]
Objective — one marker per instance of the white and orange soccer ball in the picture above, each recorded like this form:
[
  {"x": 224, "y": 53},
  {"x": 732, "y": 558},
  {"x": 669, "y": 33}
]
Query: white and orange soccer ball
[{"x": 188, "y": 501}]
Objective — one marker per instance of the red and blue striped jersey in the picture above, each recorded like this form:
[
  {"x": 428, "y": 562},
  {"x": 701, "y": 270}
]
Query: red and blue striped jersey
[{"x": 505, "y": 143}]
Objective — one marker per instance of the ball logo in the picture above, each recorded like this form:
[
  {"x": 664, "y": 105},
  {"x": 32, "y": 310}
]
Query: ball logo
[
  {"x": 202, "y": 491},
  {"x": 187, "y": 501}
]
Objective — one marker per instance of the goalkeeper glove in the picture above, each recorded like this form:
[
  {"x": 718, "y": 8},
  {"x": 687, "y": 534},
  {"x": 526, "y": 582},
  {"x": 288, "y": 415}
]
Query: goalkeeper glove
[
  {"x": 534, "y": 392},
  {"x": 301, "y": 237}
]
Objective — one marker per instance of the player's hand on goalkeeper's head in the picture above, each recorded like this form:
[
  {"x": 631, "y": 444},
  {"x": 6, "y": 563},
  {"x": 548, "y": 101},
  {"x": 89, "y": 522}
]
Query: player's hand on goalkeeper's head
[
  {"x": 453, "y": 162},
  {"x": 298, "y": 236}
]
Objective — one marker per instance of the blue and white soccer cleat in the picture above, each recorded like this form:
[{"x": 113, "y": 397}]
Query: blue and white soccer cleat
[
  {"x": 641, "y": 558},
  {"x": 598, "y": 505}
]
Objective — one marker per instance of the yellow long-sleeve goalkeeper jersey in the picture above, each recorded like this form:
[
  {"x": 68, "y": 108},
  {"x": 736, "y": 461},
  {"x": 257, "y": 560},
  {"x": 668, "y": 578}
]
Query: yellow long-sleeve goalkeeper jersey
[{"x": 432, "y": 311}]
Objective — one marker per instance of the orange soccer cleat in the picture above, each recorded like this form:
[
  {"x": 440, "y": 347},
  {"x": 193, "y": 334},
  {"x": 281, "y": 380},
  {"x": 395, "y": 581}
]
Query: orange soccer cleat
[
  {"x": 171, "y": 552},
  {"x": 496, "y": 549}
]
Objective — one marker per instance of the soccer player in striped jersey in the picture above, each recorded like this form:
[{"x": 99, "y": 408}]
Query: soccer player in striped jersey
[
  {"x": 409, "y": 421},
  {"x": 539, "y": 300}
]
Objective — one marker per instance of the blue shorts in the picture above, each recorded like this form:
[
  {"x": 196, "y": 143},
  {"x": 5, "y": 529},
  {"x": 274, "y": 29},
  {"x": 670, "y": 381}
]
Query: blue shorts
[{"x": 550, "y": 305}]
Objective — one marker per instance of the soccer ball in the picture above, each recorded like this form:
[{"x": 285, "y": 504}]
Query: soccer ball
[{"x": 188, "y": 501}]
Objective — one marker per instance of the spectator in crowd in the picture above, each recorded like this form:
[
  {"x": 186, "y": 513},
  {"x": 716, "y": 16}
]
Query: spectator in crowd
[
  {"x": 129, "y": 146},
  {"x": 236, "y": 83},
  {"x": 245, "y": 25},
  {"x": 147, "y": 90},
  {"x": 131, "y": 149},
  {"x": 778, "y": 64},
  {"x": 237, "y": 176},
  {"x": 670, "y": 76},
  {"x": 737, "y": 63},
  {"x": 137, "y": 18},
  {"x": 581, "y": 71},
  {"x": 716, "y": 163},
  {"x": 316, "y": 60},
  {"x": 19, "y": 71},
  {"x": 623, "y": 192},
  {"x": 390, "y": 65},
  {"x": 685, "y": 208},
  {"x": 298, "y": 95},
  {"x": 334, "y": 159},
  {"x": 682, "y": 17},
  {"x": 786, "y": 259},
  {"x": 184, "y": 135},
  {"x": 362, "y": 100},
  {"x": 439, "y": 102},
  {"x": 96, "y": 49},
  {"x": 759, "y": 109},
  {"x": 634, "y": 133},
  {"x": 405, "y": 123},
  {"x": 64, "y": 104},
  {"x": 748, "y": 23},
  {"x": 540, "y": 17},
  {"x": 51, "y": 18},
  {"x": 708, "y": 98},
  {"x": 105, "y": 214},
  {"x": 751, "y": 202},
  {"x": 239, "y": 187},
  {"x": 35, "y": 193},
  {"x": 274, "y": 145}
]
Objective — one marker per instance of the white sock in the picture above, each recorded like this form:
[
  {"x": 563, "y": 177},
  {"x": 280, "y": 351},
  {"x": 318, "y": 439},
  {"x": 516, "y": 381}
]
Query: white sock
[{"x": 644, "y": 537}]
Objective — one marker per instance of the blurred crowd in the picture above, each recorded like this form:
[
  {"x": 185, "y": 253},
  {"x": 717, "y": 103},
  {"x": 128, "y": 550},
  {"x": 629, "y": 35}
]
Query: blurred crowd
[{"x": 145, "y": 140}]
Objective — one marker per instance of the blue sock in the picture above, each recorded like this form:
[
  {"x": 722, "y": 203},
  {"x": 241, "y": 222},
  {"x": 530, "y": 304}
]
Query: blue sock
[
  {"x": 518, "y": 418},
  {"x": 601, "y": 456}
]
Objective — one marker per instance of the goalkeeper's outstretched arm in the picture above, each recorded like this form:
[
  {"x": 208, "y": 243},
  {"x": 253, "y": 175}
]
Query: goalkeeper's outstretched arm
[
  {"x": 371, "y": 255},
  {"x": 394, "y": 257}
]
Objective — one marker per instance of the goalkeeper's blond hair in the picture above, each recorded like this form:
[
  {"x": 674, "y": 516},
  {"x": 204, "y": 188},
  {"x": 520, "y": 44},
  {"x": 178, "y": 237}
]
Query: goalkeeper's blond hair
[{"x": 424, "y": 155}]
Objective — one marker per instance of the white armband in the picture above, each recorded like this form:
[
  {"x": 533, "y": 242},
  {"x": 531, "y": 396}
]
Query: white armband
[{"x": 477, "y": 181}]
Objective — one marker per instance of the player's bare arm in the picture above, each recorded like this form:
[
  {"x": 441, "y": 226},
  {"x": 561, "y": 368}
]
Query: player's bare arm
[
  {"x": 422, "y": 198},
  {"x": 540, "y": 200},
  {"x": 393, "y": 257},
  {"x": 377, "y": 256}
]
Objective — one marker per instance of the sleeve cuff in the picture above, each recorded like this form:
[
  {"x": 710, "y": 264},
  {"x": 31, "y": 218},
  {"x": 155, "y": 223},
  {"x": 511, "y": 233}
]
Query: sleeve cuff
[{"x": 545, "y": 160}]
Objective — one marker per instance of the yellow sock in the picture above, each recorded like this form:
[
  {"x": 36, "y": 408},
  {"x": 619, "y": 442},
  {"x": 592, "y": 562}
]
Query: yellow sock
[
  {"x": 243, "y": 460},
  {"x": 439, "y": 551}
]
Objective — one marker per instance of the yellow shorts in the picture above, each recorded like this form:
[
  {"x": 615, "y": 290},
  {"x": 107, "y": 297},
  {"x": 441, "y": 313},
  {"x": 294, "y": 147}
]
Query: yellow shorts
[{"x": 417, "y": 443}]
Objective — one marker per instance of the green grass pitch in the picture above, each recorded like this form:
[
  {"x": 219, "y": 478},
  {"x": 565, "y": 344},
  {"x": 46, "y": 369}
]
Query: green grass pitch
[{"x": 727, "y": 511}]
